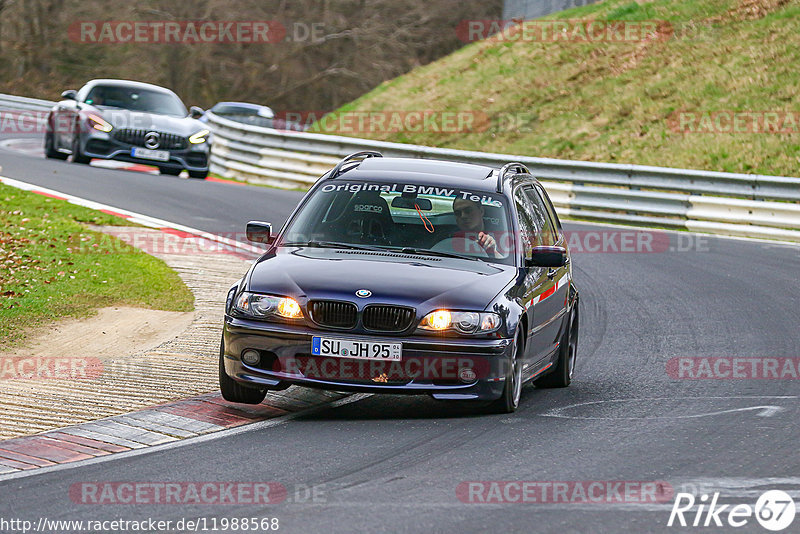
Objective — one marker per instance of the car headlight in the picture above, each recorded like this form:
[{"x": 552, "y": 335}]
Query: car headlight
[
  {"x": 98, "y": 123},
  {"x": 461, "y": 322},
  {"x": 265, "y": 306},
  {"x": 199, "y": 137}
]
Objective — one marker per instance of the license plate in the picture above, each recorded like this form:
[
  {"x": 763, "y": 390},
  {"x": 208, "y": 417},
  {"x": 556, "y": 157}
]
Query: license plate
[
  {"x": 356, "y": 348},
  {"x": 146, "y": 153}
]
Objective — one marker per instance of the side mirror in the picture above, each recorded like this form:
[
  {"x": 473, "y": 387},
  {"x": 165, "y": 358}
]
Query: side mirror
[
  {"x": 259, "y": 232},
  {"x": 196, "y": 112},
  {"x": 547, "y": 257},
  {"x": 69, "y": 94}
]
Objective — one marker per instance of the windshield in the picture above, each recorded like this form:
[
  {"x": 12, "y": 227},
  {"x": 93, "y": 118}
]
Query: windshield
[
  {"x": 416, "y": 218},
  {"x": 134, "y": 99}
]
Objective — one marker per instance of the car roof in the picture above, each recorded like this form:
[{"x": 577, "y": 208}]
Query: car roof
[
  {"x": 427, "y": 171},
  {"x": 247, "y": 105},
  {"x": 129, "y": 83}
]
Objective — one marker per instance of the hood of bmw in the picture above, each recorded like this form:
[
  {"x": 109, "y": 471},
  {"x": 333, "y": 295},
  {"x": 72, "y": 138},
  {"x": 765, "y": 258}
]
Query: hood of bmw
[{"x": 421, "y": 282}]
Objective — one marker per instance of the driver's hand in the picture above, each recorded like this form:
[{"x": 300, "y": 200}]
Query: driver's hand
[{"x": 488, "y": 243}]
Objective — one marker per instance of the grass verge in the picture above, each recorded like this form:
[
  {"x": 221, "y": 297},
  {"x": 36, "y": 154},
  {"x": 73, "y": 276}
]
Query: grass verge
[
  {"x": 52, "y": 266},
  {"x": 617, "y": 101}
]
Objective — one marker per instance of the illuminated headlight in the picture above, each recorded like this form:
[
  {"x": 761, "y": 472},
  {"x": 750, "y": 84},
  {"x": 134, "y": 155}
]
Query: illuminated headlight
[
  {"x": 99, "y": 124},
  {"x": 461, "y": 322},
  {"x": 199, "y": 137},
  {"x": 265, "y": 306}
]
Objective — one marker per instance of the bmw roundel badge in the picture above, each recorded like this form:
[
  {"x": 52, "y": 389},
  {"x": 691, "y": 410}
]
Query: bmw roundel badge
[{"x": 363, "y": 293}]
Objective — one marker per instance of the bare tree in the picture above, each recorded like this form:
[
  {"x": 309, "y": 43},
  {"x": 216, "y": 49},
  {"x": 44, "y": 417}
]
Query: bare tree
[{"x": 333, "y": 51}]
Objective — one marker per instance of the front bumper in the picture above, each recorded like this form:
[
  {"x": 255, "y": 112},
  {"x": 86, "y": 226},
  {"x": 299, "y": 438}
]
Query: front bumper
[
  {"x": 102, "y": 145},
  {"x": 429, "y": 365}
]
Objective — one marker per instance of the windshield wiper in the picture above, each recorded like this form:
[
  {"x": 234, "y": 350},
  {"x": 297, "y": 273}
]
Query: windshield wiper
[
  {"x": 333, "y": 244},
  {"x": 429, "y": 252}
]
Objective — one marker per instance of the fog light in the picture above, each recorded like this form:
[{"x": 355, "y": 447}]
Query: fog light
[
  {"x": 251, "y": 357},
  {"x": 467, "y": 375}
]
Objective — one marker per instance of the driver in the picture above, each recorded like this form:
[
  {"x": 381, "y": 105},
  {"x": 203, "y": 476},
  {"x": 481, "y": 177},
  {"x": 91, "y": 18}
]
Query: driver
[{"x": 469, "y": 218}]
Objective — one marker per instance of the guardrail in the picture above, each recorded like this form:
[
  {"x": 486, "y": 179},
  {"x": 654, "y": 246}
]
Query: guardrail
[
  {"x": 716, "y": 202},
  {"x": 23, "y": 103},
  {"x": 704, "y": 201}
]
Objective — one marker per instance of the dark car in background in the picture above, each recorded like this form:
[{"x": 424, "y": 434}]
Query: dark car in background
[
  {"x": 253, "y": 114},
  {"x": 407, "y": 276},
  {"x": 128, "y": 121}
]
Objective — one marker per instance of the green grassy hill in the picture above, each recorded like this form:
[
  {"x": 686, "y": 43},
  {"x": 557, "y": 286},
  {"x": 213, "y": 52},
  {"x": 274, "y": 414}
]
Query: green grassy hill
[{"x": 614, "y": 102}]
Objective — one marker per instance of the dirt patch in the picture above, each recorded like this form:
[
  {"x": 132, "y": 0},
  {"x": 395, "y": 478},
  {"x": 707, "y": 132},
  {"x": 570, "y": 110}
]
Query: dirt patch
[
  {"x": 750, "y": 10},
  {"x": 123, "y": 359},
  {"x": 112, "y": 333}
]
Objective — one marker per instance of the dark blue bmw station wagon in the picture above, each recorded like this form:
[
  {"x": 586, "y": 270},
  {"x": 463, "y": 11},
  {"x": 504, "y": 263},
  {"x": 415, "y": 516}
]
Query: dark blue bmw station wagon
[{"x": 407, "y": 276}]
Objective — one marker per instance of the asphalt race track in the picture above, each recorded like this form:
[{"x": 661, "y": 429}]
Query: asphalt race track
[{"x": 393, "y": 464}]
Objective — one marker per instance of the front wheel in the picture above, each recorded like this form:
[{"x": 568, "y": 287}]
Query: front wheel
[
  {"x": 561, "y": 376},
  {"x": 170, "y": 171},
  {"x": 233, "y": 391},
  {"x": 200, "y": 175},
  {"x": 77, "y": 155},
  {"x": 49, "y": 148},
  {"x": 512, "y": 391}
]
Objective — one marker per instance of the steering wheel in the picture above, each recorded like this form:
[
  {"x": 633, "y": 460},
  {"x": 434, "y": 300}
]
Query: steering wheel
[
  {"x": 367, "y": 232},
  {"x": 461, "y": 245}
]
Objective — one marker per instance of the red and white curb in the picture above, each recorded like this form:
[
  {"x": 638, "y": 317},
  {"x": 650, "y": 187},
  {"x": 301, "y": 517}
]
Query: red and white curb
[
  {"x": 160, "y": 426},
  {"x": 138, "y": 218},
  {"x": 157, "y": 426},
  {"x": 34, "y": 147}
]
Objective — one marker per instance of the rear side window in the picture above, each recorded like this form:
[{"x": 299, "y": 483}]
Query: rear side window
[
  {"x": 551, "y": 211},
  {"x": 528, "y": 228},
  {"x": 538, "y": 213}
]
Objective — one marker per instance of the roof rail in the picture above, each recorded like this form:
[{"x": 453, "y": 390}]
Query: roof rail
[
  {"x": 516, "y": 167},
  {"x": 352, "y": 158}
]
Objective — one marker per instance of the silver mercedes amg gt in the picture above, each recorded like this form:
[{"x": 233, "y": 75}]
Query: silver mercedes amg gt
[{"x": 128, "y": 121}]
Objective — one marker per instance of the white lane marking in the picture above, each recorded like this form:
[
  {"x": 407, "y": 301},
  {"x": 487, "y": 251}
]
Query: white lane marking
[
  {"x": 34, "y": 147},
  {"x": 765, "y": 411},
  {"x": 144, "y": 220},
  {"x": 252, "y": 427},
  {"x": 123, "y": 165}
]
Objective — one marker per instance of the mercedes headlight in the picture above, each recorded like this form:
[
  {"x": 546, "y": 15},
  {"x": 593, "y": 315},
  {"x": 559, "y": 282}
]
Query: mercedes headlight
[
  {"x": 98, "y": 123},
  {"x": 199, "y": 137}
]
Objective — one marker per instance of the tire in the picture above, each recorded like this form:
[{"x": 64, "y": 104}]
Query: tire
[
  {"x": 233, "y": 391},
  {"x": 49, "y": 148},
  {"x": 200, "y": 175},
  {"x": 169, "y": 170},
  {"x": 512, "y": 391},
  {"x": 561, "y": 376},
  {"x": 77, "y": 155}
]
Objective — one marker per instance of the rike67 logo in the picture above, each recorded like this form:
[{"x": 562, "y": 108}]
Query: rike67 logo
[{"x": 774, "y": 510}]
